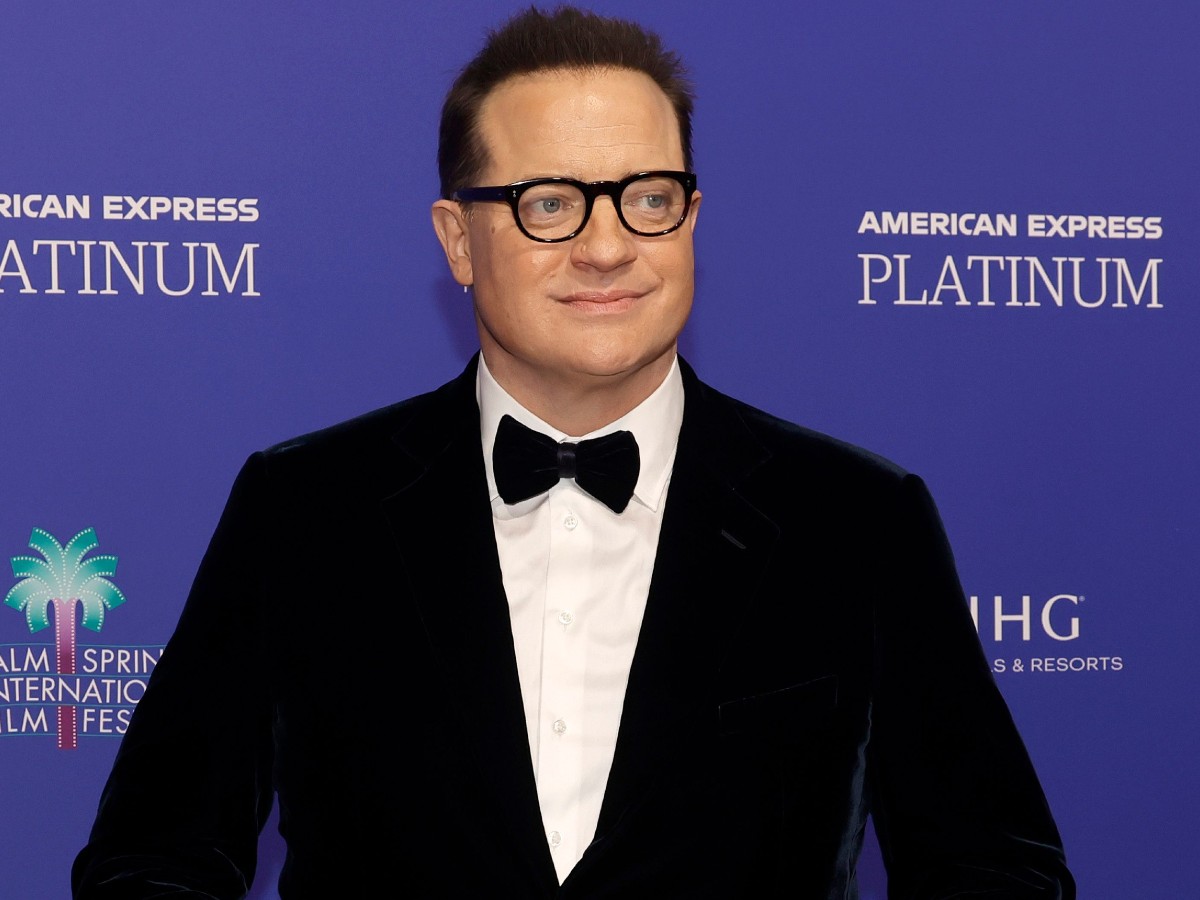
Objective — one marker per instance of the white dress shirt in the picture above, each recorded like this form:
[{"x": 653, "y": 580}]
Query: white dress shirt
[{"x": 576, "y": 575}]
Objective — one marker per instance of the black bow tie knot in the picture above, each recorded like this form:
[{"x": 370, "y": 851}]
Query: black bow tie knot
[{"x": 527, "y": 463}]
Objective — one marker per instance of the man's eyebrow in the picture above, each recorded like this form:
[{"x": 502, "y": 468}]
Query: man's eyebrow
[
  {"x": 575, "y": 176},
  {"x": 547, "y": 174}
]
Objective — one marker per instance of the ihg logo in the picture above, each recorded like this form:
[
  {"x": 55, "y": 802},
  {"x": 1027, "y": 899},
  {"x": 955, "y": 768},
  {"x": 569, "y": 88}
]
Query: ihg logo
[{"x": 1057, "y": 617}]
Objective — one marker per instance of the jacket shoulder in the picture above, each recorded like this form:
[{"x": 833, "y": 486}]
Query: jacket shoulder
[
  {"x": 380, "y": 446},
  {"x": 805, "y": 450}
]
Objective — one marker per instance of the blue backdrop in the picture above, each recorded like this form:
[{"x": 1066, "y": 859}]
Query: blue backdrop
[{"x": 1052, "y": 408}]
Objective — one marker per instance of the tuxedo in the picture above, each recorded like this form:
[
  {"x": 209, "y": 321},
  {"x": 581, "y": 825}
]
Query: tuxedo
[{"x": 806, "y": 659}]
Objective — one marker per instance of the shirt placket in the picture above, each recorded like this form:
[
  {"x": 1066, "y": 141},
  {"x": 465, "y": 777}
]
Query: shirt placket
[{"x": 562, "y": 726}]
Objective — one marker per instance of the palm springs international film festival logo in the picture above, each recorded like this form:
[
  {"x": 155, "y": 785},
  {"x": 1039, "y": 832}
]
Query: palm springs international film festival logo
[{"x": 92, "y": 690}]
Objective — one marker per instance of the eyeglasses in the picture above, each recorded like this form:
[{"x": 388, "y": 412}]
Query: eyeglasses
[{"x": 557, "y": 209}]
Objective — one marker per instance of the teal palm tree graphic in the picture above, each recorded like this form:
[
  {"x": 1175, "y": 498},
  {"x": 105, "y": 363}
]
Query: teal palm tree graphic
[{"x": 64, "y": 580}]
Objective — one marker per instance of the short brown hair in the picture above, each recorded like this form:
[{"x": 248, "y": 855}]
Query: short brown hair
[{"x": 535, "y": 41}]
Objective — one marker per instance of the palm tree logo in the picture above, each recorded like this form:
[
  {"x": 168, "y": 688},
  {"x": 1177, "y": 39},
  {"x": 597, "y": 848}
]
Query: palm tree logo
[{"x": 62, "y": 578}]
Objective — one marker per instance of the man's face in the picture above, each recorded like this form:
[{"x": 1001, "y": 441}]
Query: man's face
[{"x": 607, "y": 304}]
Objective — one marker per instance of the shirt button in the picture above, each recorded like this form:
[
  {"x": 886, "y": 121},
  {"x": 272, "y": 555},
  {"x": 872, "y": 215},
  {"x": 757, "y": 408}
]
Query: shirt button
[
  {"x": 559, "y": 726},
  {"x": 570, "y": 522},
  {"x": 565, "y": 617},
  {"x": 555, "y": 838}
]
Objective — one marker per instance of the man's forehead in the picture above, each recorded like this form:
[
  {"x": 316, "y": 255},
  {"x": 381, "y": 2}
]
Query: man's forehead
[
  {"x": 554, "y": 113},
  {"x": 575, "y": 90}
]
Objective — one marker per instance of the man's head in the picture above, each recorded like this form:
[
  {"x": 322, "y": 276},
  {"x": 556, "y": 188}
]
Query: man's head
[
  {"x": 593, "y": 312},
  {"x": 534, "y": 41}
]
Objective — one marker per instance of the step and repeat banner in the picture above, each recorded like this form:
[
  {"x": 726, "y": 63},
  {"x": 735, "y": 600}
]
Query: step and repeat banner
[{"x": 962, "y": 234}]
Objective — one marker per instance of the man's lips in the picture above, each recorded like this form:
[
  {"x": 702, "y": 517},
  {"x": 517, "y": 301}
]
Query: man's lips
[{"x": 602, "y": 301}]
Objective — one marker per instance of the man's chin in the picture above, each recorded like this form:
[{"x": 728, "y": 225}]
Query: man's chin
[{"x": 617, "y": 367}]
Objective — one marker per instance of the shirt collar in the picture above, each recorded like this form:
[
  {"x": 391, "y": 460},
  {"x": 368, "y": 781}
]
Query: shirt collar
[{"x": 655, "y": 424}]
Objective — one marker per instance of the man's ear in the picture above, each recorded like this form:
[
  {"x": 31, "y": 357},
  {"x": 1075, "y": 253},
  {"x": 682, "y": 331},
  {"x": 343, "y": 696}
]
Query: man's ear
[
  {"x": 450, "y": 224},
  {"x": 694, "y": 211}
]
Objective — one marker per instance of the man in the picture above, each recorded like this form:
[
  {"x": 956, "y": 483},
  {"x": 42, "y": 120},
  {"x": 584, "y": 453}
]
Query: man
[{"x": 645, "y": 640}]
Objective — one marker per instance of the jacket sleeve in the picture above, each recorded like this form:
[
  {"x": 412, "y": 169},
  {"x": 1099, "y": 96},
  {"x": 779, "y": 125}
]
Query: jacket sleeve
[
  {"x": 191, "y": 785},
  {"x": 956, "y": 803}
]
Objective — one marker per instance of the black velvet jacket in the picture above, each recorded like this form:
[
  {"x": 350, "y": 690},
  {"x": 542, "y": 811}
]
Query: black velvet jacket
[{"x": 806, "y": 659}]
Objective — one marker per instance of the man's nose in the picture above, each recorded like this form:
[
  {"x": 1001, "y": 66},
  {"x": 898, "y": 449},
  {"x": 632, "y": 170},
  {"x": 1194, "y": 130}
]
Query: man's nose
[{"x": 604, "y": 243}]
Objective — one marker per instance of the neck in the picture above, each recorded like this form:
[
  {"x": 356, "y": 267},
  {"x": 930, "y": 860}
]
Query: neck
[{"x": 582, "y": 403}]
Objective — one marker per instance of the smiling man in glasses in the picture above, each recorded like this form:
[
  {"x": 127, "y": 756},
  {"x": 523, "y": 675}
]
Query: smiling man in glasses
[
  {"x": 579, "y": 249},
  {"x": 643, "y": 640}
]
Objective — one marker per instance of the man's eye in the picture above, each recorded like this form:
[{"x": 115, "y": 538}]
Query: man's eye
[
  {"x": 647, "y": 202},
  {"x": 545, "y": 206}
]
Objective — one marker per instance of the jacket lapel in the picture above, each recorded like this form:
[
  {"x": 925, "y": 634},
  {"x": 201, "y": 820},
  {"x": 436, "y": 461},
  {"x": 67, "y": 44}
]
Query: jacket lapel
[
  {"x": 464, "y": 609},
  {"x": 713, "y": 544}
]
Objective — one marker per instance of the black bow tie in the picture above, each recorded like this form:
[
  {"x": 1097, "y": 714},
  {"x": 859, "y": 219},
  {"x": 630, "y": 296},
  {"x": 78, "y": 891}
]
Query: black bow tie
[{"x": 527, "y": 463}]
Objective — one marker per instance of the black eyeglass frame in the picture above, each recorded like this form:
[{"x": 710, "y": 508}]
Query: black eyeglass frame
[{"x": 511, "y": 194}]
